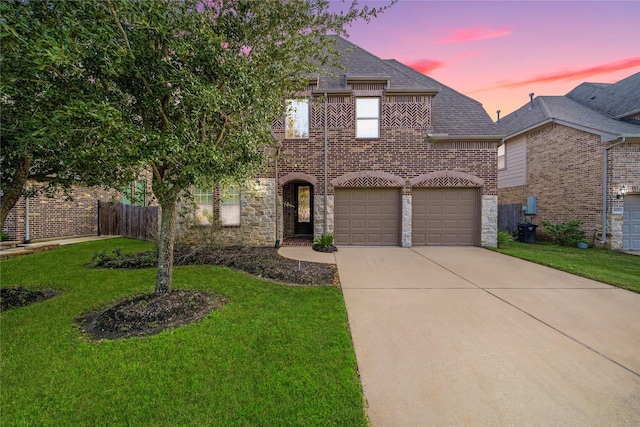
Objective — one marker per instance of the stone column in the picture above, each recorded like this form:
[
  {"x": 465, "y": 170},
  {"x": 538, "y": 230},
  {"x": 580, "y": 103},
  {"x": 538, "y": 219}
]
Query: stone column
[{"x": 489, "y": 235}]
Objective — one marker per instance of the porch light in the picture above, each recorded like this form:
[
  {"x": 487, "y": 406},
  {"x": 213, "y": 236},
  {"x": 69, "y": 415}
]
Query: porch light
[{"x": 622, "y": 193}]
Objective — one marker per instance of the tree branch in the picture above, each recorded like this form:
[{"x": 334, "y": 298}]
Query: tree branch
[
  {"x": 156, "y": 172},
  {"x": 124, "y": 34}
]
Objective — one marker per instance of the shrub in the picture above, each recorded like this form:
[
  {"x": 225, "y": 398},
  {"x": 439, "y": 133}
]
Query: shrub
[
  {"x": 504, "y": 237},
  {"x": 3, "y": 236},
  {"x": 137, "y": 260},
  {"x": 565, "y": 234},
  {"x": 324, "y": 241}
]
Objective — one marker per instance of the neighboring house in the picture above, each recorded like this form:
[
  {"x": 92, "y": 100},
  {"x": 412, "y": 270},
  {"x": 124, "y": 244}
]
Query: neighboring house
[
  {"x": 565, "y": 150},
  {"x": 42, "y": 217},
  {"x": 377, "y": 154}
]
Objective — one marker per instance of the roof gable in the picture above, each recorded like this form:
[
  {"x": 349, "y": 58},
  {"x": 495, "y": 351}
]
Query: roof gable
[
  {"x": 453, "y": 113},
  {"x": 561, "y": 109},
  {"x": 617, "y": 100}
]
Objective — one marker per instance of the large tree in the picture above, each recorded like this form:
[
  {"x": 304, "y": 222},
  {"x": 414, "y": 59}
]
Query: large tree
[
  {"x": 187, "y": 88},
  {"x": 39, "y": 66}
]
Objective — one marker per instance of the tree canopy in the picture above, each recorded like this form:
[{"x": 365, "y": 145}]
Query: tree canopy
[{"x": 186, "y": 89}]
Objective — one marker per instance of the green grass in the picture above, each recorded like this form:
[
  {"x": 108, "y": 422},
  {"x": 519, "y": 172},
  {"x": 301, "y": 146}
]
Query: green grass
[
  {"x": 273, "y": 356},
  {"x": 615, "y": 268}
]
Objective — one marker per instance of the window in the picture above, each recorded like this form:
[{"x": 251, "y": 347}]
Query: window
[
  {"x": 204, "y": 206},
  {"x": 297, "y": 120},
  {"x": 367, "y": 117},
  {"x": 135, "y": 194},
  {"x": 230, "y": 206},
  {"x": 502, "y": 149}
]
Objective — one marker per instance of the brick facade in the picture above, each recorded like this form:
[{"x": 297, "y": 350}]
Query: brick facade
[
  {"x": 57, "y": 217},
  {"x": 402, "y": 151}
]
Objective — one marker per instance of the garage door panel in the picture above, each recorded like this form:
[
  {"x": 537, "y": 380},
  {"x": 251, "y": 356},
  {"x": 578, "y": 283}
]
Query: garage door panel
[
  {"x": 631, "y": 222},
  {"x": 367, "y": 216},
  {"x": 445, "y": 216}
]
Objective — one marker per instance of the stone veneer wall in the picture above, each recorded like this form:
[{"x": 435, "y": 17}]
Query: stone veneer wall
[
  {"x": 51, "y": 218},
  {"x": 624, "y": 169},
  {"x": 257, "y": 221},
  {"x": 489, "y": 225},
  {"x": 407, "y": 212},
  {"x": 318, "y": 214}
]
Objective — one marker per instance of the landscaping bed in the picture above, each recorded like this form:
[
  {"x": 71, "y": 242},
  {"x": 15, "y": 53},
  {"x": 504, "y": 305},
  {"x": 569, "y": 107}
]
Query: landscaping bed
[
  {"x": 19, "y": 296},
  {"x": 263, "y": 262}
]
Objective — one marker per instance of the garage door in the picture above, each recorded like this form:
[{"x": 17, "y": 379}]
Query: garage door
[
  {"x": 631, "y": 223},
  {"x": 446, "y": 216},
  {"x": 367, "y": 216}
]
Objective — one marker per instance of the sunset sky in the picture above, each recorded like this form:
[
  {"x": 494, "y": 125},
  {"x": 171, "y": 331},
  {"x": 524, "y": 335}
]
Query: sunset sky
[{"x": 498, "y": 52}]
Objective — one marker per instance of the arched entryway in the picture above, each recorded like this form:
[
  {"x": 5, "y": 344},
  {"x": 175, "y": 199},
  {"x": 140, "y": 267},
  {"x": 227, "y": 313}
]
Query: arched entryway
[{"x": 298, "y": 206}]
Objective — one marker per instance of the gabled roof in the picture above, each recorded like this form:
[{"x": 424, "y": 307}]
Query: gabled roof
[
  {"x": 561, "y": 109},
  {"x": 617, "y": 100},
  {"x": 453, "y": 113}
]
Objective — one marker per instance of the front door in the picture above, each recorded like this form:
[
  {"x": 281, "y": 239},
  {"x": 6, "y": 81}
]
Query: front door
[{"x": 303, "y": 225}]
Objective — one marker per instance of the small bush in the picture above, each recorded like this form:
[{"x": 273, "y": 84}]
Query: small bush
[
  {"x": 504, "y": 237},
  {"x": 137, "y": 260},
  {"x": 565, "y": 234},
  {"x": 324, "y": 241},
  {"x": 3, "y": 236}
]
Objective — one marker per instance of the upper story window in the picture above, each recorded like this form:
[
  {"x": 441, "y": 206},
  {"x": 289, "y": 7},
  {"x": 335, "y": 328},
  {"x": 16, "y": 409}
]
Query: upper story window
[
  {"x": 502, "y": 151},
  {"x": 297, "y": 119},
  {"x": 367, "y": 117}
]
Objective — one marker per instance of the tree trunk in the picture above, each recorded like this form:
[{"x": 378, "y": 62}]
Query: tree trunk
[
  {"x": 13, "y": 194},
  {"x": 165, "y": 247}
]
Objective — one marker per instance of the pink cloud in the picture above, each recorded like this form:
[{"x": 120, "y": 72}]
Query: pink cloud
[
  {"x": 475, "y": 33},
  {"x": 469, "y": 54},
  {"x": 578, "y": 74},
  {"x": 426, "y": 66}
]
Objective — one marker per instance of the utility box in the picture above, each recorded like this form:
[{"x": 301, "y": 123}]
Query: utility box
[
  {"x": 532, "y": 206},
  {"x": 527, "y": 232}
]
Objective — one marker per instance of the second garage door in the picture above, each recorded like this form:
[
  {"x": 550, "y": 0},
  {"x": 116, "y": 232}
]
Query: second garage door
[
  {"x": 367, "y": 216},
  {"x": 445, "y": 216}
]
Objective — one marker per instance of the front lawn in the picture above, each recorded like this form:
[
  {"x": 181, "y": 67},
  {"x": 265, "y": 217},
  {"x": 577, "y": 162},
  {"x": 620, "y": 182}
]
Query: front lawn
[
  {"x": 273, "y": 355},
  {"x": 615, "y": 268}
]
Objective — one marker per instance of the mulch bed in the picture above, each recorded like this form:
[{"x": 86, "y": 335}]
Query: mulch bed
[
  {"x": 19, "y": 296},
  {"x": 149, "y": 314}
]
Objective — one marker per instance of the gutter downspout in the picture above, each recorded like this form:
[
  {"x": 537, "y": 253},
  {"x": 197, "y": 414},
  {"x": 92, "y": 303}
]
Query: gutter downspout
[
  {"x": 278, "y": 145},
  {"x": 27, "y": 232},
  {"x": 605, "y": 187},
  {"x": 326, "y": 106}
]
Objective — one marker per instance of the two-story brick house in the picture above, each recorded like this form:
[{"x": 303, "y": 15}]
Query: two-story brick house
[
  {"x": 377, "y": 154},
  {"x": 565, "y": 150}
]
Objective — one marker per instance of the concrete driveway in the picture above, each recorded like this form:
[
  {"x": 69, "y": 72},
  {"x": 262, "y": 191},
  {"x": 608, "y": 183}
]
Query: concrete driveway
[{"x": 450, "y": 336}]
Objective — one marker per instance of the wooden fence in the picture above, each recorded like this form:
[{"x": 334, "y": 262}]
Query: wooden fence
[
  {"x": 509, "y": 217},
  {"x": 135, "y": 222}
]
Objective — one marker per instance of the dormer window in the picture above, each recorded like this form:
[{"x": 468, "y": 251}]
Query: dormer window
[
  {"x": 367, "y": 117},
  {"x": 297, "y": 119}
]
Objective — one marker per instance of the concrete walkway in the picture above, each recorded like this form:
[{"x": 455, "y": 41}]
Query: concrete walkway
[
  {"x": 15, "y": 249},
  {"x": 467, "y": 336}
]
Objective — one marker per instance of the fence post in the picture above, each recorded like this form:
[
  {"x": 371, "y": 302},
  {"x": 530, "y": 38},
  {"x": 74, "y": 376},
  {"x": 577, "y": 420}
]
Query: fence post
[{"x": 99, "y": 231}]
